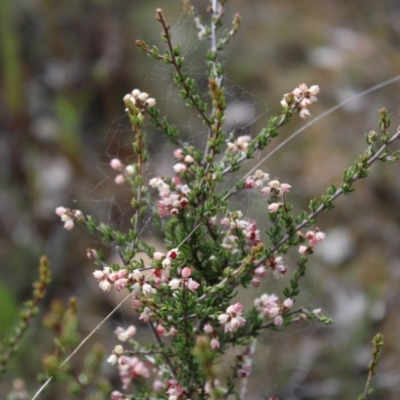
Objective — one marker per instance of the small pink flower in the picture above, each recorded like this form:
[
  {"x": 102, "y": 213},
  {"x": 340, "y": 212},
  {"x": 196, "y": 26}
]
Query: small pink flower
[
  {"x": 225, "y": 221},
  {"x": 286, "y": 187},
  {"x": 186, "y": 272},
  {"x": 173, "y": 254},
  {"x": 260, "y": 271},
  {"x": 208, "y": 328},
  {"x": 265, "y": 191},
  {"x": 160, "y": 330},
  {"x": 158, "y": 255},
  {"x": 304, "y": 113},
  {"x": 214, "y": 344},
  {"x": 117, "y": 395},
  {"x": 232, "y": 319},
  {"x": 124, "y": 334},
  {"x": 120, "y": 284},
  {"x": 116, "y": 164},
  {"x": 150, "y": 102},
  {"x": 288, "y": 303},
  {"x": 184, "y": 202},
  {"x": 303, "y": 250},
  {"x": 158, "y": 385},
  {"x": 278, "y": 321},
  {"x": 314, "y": 237},
  {"x": 192, "y": 285},
  {"x": 180, "y": 168},
  {"x": 274, "y": 207},
  {"x": 119, "y": 179},
  {"x": 173, "y": 331},
  {"x": 178, "y": 154},
  {"x": 60, "y": 211},
  {"x": 136, "y": 304},
  {"x": 273, "y": 311},
  {"x": 249, "y": 184}
]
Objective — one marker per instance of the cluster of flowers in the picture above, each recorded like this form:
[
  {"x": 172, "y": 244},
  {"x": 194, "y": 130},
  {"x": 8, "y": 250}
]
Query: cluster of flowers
[
  {"x": 125, "y": 171},
  {"x": 302, "y": 98},
  {"x": 185, "y": 282},
  {"x": 239, "y": 145},
  {"x": 249, "y": 230},
  {"x": 184, "y": 160},
  {"x": 171, "y": 201},
  {"x": 313, "y": 237},
  {"x": 139, "y": 284},
  {"x": 269, "y": 306},
  {"x": 129, "y": 368},
  {"x": 69, "y": 216},
  {"x": 273, "y": 188},
  {"x": 232, "y": 318},
  {"x": 138, "y": 99},
  {"x": 121, "y": 279}
]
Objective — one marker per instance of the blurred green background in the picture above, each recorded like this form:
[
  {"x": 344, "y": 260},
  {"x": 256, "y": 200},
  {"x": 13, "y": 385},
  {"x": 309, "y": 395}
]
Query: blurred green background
[{"x": 64, "y": 68}]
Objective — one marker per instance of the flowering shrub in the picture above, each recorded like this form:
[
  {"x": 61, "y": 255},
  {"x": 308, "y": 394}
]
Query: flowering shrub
[{"x": 187, "y": 292}]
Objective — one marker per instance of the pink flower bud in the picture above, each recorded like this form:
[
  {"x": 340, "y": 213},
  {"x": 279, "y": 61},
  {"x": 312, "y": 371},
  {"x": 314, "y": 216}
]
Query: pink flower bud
[
  {"x": 273, "y": 207},
  {"x": 214, "y": 344},
  {"x": 60, "y": 211},
  {"x": 158, "y": 255},
  {"x": 288, "y": 303},
  {"x": 186, "y": 272},
  {"x": 151, "y": 102},
  {"x": 303, "y": 250},
  {"x": 119, "y": 179},
  {"x": 116, "y": 164},
  {"x": 178, "y": 154}
]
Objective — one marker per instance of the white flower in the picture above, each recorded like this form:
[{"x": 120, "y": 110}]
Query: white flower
[
  {"x": 105, "y": 285},
  {"x": 112, "y": 359},
  {"x": 174, "y": 283}
]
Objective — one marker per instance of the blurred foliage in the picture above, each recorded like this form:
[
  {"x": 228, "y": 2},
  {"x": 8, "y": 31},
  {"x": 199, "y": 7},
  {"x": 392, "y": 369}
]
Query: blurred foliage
[{"x": 64, "y": 68}]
